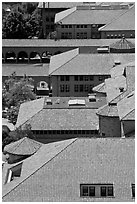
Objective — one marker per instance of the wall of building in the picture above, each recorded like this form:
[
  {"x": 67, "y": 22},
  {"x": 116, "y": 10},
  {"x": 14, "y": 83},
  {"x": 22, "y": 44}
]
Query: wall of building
[
  {"x": 118, "y": 34},
  {"x": 128, "y": 126},
  {"x": 77, "y": 31},
  {"x": 109, "y": 126},
  {"x": 82, "y": 87}
]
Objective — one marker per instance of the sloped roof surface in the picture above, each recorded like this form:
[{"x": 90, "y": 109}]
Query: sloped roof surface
[
  {"x": 59, "y": 4},
  {"x": 24, "y": 146},
  {"x": 30, "y": 165},
  {"x": 126, "y": 106},
  {"x": 29, "y": 70},
  {"x": 58, "y": 61},
  {"x": 5, "y": 122},
  {"x": 108, "y": 110},
  {"x": 124, "y": 22},
  {"x": 64, "y": 14},
  {"x": 122, "y": 44},
  {"x": 64, "y": 119},
  {"x": 88, "y": 16},
  {"x": 85, "y": 64},
  {"x": 28, "y": 110},
  {"x": 113, "y": 86},
  {"x": 83, "y": 161}
]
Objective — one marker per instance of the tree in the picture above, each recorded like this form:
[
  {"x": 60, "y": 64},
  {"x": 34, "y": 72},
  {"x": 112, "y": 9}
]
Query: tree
[
  {"x": 17, "y": 92},
  {"x": 22, "y": 22}
]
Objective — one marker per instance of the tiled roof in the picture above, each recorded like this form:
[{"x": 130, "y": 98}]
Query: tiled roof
[
  {"x": 24, "y": 146},
  {"x": 108, "y": 110},
  {"x": 100, "y": 88},
  {"x": 28, "y": 110},
  {"x": 113, "y": 86},
  {"x": 59, "y": 115},
  {"x": 64, "y": 119},
  {"x": 126, "y": 21},
  {"x": 59, "y": 43},
  {"x": 87, "y": 16},
  {"x": 100, "y": 160},
  {"x": 122, "y": 44},
  {"x": 85, "y": 64},
  {"x": 126, "y": 107},
  {"x": 29, "y": 70},
  {"x": 30, "y": 166}
]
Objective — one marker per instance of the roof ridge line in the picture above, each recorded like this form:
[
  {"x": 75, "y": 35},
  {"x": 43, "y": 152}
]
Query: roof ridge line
[
  {"x": 67, "y": 61},
  {"x": 116, "y": 18},
  {"x": 40, "y": 167}
]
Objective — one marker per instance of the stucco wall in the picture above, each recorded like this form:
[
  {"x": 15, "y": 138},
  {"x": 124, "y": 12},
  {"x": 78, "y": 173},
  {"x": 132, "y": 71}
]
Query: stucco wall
[{"x": 110, "y": 126}]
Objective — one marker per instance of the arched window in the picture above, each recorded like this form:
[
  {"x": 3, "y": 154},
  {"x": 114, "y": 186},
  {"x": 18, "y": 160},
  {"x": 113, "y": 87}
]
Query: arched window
[
  {"x": 22, "y": 57},
  {"x": 10, "y": 57},
  {"x": 35, "y": 57}
]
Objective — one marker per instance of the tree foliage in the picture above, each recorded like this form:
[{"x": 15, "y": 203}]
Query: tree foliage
[
  {"x": 22, "y": 22},
  {"x": 15, "y": 93}
]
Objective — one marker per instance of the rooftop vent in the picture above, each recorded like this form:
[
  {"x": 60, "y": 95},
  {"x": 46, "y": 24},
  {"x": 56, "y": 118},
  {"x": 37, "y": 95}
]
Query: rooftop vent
[
  {"x": 48, "y": 101},
  {"x": 92, "y": 98},
  {"x": 121, "y": 89},
  {"x": 76, "y": 102},
  {"x": 117, "y": 62}
]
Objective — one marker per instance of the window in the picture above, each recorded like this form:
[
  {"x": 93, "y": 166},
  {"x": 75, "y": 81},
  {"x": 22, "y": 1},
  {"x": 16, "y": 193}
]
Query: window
[
  {"x": 100, "y": 78},
  {"x": 91, "y": 78},
  {"x": 76, "y": 88},
  {"x": 106, "y": 191},
  {"x": 77, "y": 26},
  {"x": 67, "y": 88},
  {"x": 67, "y": 78},
  {"x": 87, "y": 190},
  {"x": 81, "y": 78},
  {"x": 62, "y": 78},
  {"x": 86, "y": 78},
  {"x": 62, "y": 88},
  {"x": 85, "y": 26},
  {"x": 86, "y": 88},
  {"x": 70, "y": 26},
  {"x": 62, "y": 27},
  {"x": 133, "y": 190},
  {"x": 81, "y": 88},
  {"x": 76, "y": 78},
  {"x": 96, "y": 190}
]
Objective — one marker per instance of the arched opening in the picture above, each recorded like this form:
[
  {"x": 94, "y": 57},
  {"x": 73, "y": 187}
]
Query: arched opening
[
  {"x": 35, "y": 57},
  {"x": 46, "y": 57},
  {"x": 10, "y": 57},
  {"x": 22, "y": 57},
  {"x": 57, "y": 53}
]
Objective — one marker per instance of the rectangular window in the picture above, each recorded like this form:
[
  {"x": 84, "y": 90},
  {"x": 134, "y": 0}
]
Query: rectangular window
[
  {"x": 85, "y": 26},
  {"x": 81, "y": 78},
  {"x": 106, "y": 191},
  {"x": 75, "y": 78},
  {"x": 87, "y": 191},
  {"x": 77, "y": 26},
  {"x": 67, "y": 78},
  {"x": 70, "y": 26},
  {"x": 91, "y": 78},
  {"x": 76, "y": 88},
  {"x": 103, "y": 192},
  {"x": 133, "y": 190},
  {"x": 67, "y": 88},
  {"x": 86, "y": 78},
  {"x": 62, "y": 88},
  {"x": 62, "y": 26},
  {"x": 86, "y": 87},
  {"x": 81, "y": 88},
  {"x": 62, "y": 78}
]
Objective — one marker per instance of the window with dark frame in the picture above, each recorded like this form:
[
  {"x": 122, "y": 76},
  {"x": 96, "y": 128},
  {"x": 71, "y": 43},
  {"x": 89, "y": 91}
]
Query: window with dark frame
[
  {"x": 67, "y": 88},
  {"x": 96, "y": 190},
  {"x": 62, "y": 88},
  {"x": 75, "y": 78},
  {"x": 67, "y": 78},
  {"x": 76, "y": 88},
  {"x": 133, "y": 190},
  {"x": 100, "y": 78},
  {"x": 62, "y": 78},
  {"x": 91, "y": 78},
  {"x": 81, "y": 78},
  {"x": 81, "y": 87}
]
